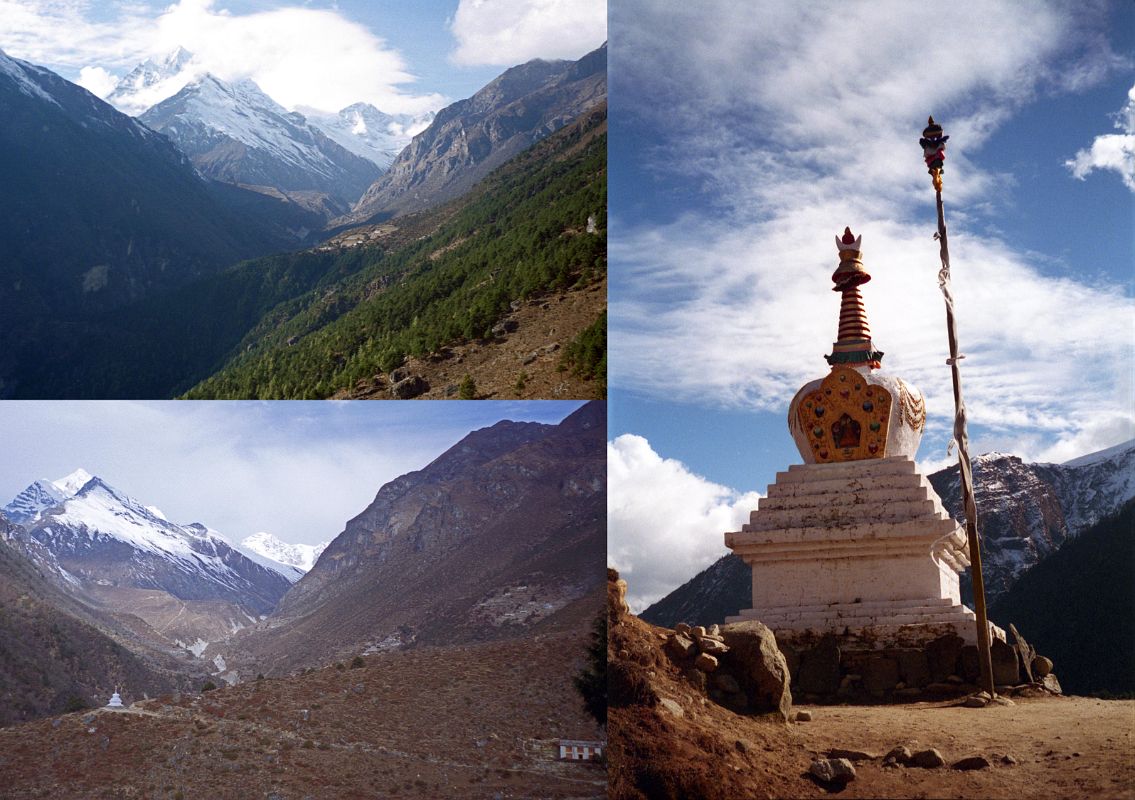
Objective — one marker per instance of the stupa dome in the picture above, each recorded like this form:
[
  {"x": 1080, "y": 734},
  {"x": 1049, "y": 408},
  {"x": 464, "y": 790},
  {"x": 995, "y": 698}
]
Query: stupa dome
[{"x": 856, "y": 411}]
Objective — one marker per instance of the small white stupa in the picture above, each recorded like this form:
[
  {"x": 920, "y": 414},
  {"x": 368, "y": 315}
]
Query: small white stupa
[{"x": 115, "y": 700}]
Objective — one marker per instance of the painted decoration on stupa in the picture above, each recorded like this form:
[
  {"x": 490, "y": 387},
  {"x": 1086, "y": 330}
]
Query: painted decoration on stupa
[{"x": 846, "y": 418}]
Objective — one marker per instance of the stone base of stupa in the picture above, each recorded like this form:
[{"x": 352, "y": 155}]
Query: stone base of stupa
[{"x": 861, "y": 549}]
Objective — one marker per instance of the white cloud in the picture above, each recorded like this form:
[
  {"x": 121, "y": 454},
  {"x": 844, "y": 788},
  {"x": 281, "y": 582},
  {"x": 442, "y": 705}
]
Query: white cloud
[
  {"x": 818, "y": 130},
  {"x": 664, "y": 523},
  {"x": 299, "y": 56},
  {"x": 97, "y": 81},
  {"x": 1114, "y": 151},
  {"x": 298, "y": 470},
  {"x": 508, "y": 32}
]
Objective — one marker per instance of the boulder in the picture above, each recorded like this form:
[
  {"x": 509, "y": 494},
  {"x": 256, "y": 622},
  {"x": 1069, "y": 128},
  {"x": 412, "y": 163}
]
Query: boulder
[
  {"x": 880, "y": 674},
  {"x": 819, "y": 668},
  {"x": 759, "y": 666},
  {"x": 927, "y": 759},
  {"x": 409, "y": 387},
  {"x": 972, "y": 762},
  {"x": 970, "y": 665},
  {"x": 803, "y": 716},
  {"x": 942, "y": 656},
  {"x": 1041, "y": 667},
  {"x": 726, "y": 683},
  {"x": 898, "y": 755},
  {"x": 914, "y": 668},
  {"x": 680, "y": 647},
  {"x": 1025, "y": 653},
  {"x": 1050, "y": 683},
  {"x": 712, "y": 646},
  {"x": 1006, "y": 670},
  {"x": 705, "y": 662},
  {"x": 832, "y": 770}
]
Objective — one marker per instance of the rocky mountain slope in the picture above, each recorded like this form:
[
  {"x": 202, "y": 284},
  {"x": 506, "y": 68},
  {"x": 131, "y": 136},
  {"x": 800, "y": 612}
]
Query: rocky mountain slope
[
  {"x": 235, "y": 133},
  {"x": 501, "y": 536},
  {"x": 57, "y": 654},
  {"x": 1076, "y": 606},
  {"x": 111, "y": 551},
  {"x": 471, "y": 137},
  {"x": 97, "y": 211},
  {"x": 1026, "y": 512}
]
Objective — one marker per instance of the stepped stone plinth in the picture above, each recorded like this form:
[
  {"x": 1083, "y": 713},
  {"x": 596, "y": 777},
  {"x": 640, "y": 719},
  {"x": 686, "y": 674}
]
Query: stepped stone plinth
[{"x": 855, "y": 542}]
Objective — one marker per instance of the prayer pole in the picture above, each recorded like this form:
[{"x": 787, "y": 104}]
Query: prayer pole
[{"x": 934, "y": 149}]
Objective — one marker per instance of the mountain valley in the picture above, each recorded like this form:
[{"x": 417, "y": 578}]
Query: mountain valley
[
  {"x": 158, "y": 323},
  {"x": 485, "y": 564}
]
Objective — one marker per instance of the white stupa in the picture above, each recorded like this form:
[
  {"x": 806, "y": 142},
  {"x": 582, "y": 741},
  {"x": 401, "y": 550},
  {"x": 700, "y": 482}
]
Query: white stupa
[
  {"x": 115, "y": 700},
  {"x": 855, "y": 541}
]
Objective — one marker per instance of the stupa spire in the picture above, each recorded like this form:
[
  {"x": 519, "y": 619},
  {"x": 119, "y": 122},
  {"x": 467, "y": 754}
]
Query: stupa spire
[{"x": 853, "y": 345}]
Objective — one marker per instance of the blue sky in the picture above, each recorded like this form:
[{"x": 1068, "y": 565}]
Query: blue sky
[
  {"x": 298, "y": 470},
  {"x": 745, "y": 136},
  {"x": 404, "y": 56}
]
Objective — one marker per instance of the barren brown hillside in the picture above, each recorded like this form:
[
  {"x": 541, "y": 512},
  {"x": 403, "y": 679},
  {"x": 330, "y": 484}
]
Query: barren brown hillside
[{"x": 469, "y": 722}]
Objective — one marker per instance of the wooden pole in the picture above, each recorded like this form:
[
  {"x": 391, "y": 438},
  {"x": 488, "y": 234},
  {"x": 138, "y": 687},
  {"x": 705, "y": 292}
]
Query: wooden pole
[{"x": 934, "y": 145}]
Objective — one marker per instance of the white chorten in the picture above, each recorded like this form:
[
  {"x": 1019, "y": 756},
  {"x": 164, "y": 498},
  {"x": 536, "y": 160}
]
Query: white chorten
[
  {"x": 115, "y": 700},
  {"x": 855, "y": 541}
]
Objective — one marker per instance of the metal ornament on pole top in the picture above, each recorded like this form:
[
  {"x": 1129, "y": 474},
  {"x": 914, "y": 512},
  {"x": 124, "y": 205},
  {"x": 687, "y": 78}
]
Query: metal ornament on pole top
[{"x": 934, "y": 150}]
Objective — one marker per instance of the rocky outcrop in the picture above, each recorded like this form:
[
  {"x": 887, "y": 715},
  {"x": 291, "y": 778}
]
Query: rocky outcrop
[{"x": 470, "y": 138}]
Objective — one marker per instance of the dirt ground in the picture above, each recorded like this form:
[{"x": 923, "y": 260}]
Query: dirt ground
[{"x": 667, "y": 740}]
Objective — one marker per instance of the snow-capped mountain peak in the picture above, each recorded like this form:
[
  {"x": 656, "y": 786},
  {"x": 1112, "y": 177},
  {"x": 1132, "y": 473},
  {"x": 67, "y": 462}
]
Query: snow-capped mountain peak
[
  {"x": 70, "y": 485},
  {"x": 20, "y": 72},
  {"x": 368, "y": 132},
  {"x": 153, "y": 81},
  {"x": 301, "y": 557},
  {"x": 33, "y": 501}
]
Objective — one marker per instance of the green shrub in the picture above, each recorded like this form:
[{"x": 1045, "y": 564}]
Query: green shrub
[
  {"x": 209, "y": 686},
  {"x": 468, "y": 388}
]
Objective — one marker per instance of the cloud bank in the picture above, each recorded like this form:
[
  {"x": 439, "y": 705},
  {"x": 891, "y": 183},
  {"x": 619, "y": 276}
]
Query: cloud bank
[
  {"x": 664, "y": 523},
  {"x": 508, "y": 32},
  {"x": 300, "y": 56}
]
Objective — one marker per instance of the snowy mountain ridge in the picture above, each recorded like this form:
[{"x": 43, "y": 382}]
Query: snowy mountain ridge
[
  {"x": 292, "y": 558},
  {"x": 368, "y": 132},
  {"x": 153, "y": 81},
  {"x": 359, "y": 128},
  {"x": 236, "y": 133}
]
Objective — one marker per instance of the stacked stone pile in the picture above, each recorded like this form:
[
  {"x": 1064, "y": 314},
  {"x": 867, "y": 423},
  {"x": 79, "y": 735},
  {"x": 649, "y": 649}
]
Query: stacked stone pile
[
  {"x": 738, "y": 666},
  {"x": 826, "y": 669}
]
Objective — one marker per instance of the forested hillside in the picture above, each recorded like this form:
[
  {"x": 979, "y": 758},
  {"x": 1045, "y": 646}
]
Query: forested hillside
[
  {"x": 525, "y": 230},
  {"x": 353, "y": 308}
]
